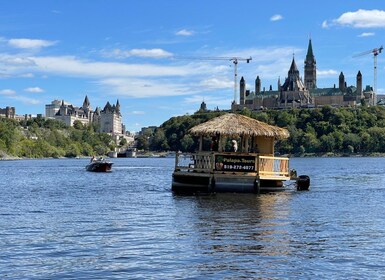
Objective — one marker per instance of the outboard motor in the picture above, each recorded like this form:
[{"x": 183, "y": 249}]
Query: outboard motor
[{"x": 303, "y": 183}]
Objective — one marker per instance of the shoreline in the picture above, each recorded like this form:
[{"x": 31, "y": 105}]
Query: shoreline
[{"x": 6, "y": 157}]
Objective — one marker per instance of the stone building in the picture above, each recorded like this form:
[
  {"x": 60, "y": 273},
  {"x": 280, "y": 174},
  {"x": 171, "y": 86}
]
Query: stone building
[
  {"x": 109, "y": 119},
  {"x": 8, "y": 112},
  {"x": 294, "y": 92}
]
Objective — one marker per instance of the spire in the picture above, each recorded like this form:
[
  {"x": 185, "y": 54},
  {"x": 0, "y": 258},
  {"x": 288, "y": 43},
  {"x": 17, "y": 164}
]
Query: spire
[
  {"x": 86, "y": 102},
  {"x": 310, "y": 55},
  {"x": 310, "y": 71},
  {"x": 117, "y": 106},
  {"x": 293, "y": 69}
]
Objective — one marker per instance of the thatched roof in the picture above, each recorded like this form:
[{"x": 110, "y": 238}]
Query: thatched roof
[{"x": 238, "y": 125}]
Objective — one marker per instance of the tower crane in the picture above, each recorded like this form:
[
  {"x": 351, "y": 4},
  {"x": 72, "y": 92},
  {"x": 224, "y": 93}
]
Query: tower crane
[
  {"x": 375, "y": 52},
  {"x": 233, "y": 59}
]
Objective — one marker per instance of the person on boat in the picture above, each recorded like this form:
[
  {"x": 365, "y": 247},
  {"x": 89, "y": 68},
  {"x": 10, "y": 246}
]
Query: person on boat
[
  {"x": 234, "y": 146},
  {"x": 93, "y": 159},
  {"x": 214, "y": 144}
]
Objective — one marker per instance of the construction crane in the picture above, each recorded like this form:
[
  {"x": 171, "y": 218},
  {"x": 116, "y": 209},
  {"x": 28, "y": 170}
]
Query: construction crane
[
  {"x": 233, "y": 59},
  {"x": 375, "y": 52}
]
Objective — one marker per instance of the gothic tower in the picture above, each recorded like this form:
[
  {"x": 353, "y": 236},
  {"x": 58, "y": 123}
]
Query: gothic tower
[
  {"x": 359, "y": 86},
  {"x": 87, "y": 109},
  {"x": 117, "y": 107},
  {"x": 257, "y": 85},
  {"x": 293, "y": 76},
  {"x": 341, "y": 82},
  {"x": 242, "y": 90},
  {"x": 310, "y": 68}
]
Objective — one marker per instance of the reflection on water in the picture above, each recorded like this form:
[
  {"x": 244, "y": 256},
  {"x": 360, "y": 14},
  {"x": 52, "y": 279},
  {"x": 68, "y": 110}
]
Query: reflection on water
[
  {"x": 59, "y": 221},
  {"x": 235, "y": 232}
]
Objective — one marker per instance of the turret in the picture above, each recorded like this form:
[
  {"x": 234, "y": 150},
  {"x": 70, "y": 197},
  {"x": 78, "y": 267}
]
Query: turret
[
  {"x": 242, "y": 91},
  {"x": 257, "y": 85},
  {"x": 341, "y": 82},
  {"x": 359, "y": 85},
  {"x": 117, "y": 107},
  {"x": 203, "y": 107}
]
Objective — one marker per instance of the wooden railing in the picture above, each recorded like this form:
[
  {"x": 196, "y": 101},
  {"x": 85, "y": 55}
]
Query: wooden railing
[
  {"x": 266, "y": 167},
  {"x": 270, "y": 166},
  {"x": 194, "y": 162}
]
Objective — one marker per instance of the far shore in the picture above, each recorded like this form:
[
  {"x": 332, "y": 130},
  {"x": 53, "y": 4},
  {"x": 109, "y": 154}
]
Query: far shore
[{"x": 4, "y": 156}]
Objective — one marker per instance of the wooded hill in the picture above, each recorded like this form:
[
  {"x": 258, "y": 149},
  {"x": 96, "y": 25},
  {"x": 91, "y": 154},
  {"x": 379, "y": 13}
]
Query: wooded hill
[
  {"x": 312, "y": 131},
  {"x": 319, "y": 131},
  {"x": 38, "y": 138}
]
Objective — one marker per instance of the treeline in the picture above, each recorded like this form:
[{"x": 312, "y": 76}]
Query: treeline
[
  {"x": 39, "y": 137},
  {"x": 316, "y": 131},
  {"x": 312, "y": 131}
]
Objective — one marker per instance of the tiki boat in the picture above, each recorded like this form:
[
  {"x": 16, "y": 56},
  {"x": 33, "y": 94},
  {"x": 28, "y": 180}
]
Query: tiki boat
[{"x": 249, "y": 167}]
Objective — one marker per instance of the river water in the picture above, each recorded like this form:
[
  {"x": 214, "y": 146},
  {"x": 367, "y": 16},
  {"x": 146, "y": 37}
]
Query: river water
[{"x": 58, "y": 221}]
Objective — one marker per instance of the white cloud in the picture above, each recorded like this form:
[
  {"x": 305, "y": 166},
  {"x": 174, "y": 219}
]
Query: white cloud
[
  {"x": 276, "y": 17},
  {"x": 9, "y": 60},
  {"x": 27, "y": 100},
  {"x": 211, "y": 101},
  {"x": 30, "y": 43},
  {"x": 217, "y": 83},
  {"x": 366, "y": 34},
  {"x": 34, "y": 89},
  {"x": 139, "y": 88},
  {"x": 137, "y": 113},
  {"x": 27, "y": 75},
  {"x": 325, "y": 24},
  {"x": 325, "y": 73},
  {"x": 149, "y": 53},
  {"x": 75, "y": 67},
  {"x": 359, "y": 19},
  {"x": 184, "y": 32},
  {"x": 7, "y": 92}
]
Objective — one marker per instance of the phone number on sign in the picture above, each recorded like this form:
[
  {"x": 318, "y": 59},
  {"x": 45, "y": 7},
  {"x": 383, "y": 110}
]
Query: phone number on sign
[{"x": 238, "y": 167}]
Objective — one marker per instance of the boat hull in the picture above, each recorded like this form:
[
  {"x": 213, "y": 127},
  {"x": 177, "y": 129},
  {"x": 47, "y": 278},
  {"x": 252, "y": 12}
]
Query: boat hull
[
  {"x": 99, "y": 166},
  {"x": 189, "y": 182}
]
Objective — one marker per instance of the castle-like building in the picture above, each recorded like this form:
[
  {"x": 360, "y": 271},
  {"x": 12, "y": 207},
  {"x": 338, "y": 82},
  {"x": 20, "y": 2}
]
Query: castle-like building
[
  {"x": 109, "y": 119},
  {"x": 295, "y": 92}
]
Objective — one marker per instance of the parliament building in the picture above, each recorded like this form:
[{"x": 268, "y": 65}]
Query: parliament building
[{"x": 298, "y": 93}]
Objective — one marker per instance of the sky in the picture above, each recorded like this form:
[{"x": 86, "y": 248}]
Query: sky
[{"x": 162, "y": 59}]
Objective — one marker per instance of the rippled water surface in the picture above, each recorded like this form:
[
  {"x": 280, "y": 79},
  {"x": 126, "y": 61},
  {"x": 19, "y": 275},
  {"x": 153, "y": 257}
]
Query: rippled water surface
[{"x": 58, "y": 221}]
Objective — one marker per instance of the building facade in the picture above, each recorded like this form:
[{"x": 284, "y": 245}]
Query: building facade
[
  {"x": 295, "y": 93},
  {"x": 8, "y": 112},
  {"x": 109, "y": 119}
]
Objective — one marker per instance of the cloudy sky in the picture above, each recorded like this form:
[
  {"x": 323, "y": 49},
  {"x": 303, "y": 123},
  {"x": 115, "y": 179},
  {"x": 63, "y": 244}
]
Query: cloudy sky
[{"x": 163, "y": 58}]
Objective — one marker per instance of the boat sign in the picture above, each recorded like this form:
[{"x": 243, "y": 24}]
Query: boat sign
[{"x": 235, "y": 163}]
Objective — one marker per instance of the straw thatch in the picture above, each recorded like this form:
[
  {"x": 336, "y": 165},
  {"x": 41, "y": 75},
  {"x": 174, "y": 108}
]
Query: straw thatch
[{"x": 238, "y": 125}]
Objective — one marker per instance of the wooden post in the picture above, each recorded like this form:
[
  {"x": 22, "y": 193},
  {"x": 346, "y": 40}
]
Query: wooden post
[{"x": 176, "y": 160}]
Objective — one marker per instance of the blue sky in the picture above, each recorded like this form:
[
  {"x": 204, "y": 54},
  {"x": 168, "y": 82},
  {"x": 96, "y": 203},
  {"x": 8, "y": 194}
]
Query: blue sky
[{"x": 152, "y": 55}]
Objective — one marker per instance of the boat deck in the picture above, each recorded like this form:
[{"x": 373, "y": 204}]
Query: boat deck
[{"x": 228, "y": 171}]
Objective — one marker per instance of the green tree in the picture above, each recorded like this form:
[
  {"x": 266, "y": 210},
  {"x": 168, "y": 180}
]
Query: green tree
[
  {"x": 187, "y": 143},
  {"x": 327, "y": 143},
  {"x": 73, "y": 150},
  {"x": 142, "y": 142}
]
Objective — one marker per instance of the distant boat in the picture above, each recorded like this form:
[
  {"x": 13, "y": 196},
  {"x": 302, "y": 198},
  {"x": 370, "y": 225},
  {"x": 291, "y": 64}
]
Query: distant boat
[{"x": 99, "y": 165}]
